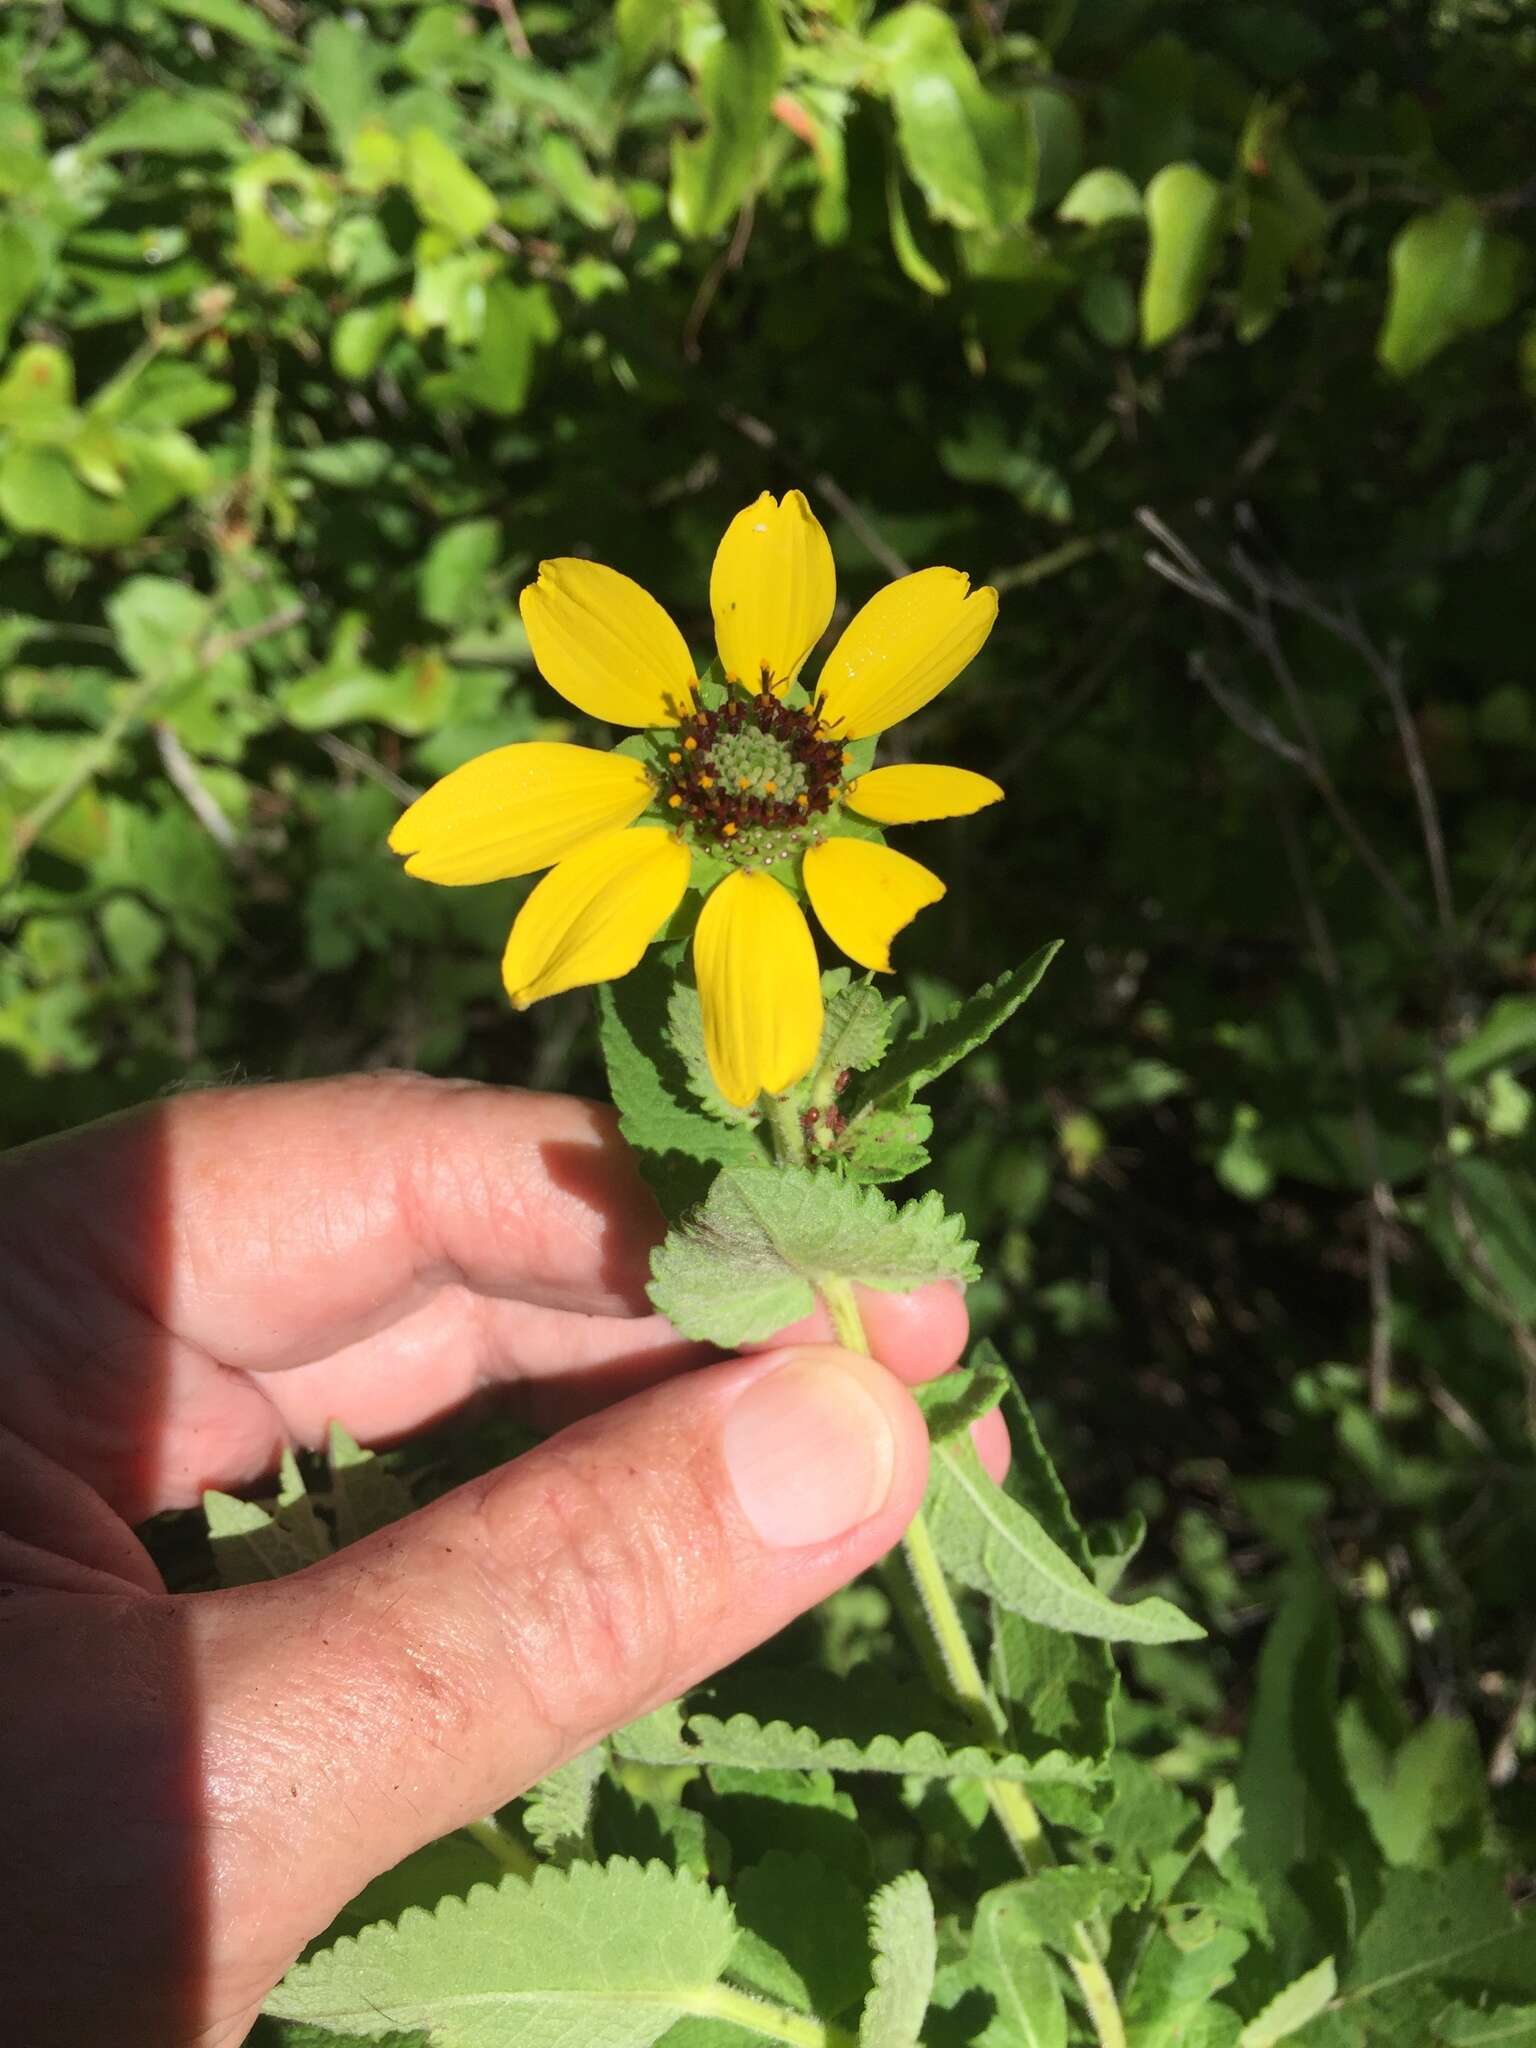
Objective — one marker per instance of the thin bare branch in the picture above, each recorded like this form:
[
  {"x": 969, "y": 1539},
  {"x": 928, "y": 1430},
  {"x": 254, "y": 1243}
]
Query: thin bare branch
[
  {"x": 345, "y": 755},
  {"x": 1380, "y": 1209},
  {"x": 181, "y": 770}
]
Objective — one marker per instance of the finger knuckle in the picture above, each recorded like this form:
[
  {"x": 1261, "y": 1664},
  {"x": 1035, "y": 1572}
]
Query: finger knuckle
[{"x": 599, "y": 1603}]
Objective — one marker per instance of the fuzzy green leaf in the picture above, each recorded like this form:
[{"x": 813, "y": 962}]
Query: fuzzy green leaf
[
  {"x": 1050, "y": 1907},
  {"x": 802, "y": 1938},
  {"x": 676, "y": 1141},
  {"x": 993, "y": 1543},
  {"x": 558, "y": 1813},
  {"x": 886, "y": 1144},
  {"x": 751, "y": 1259},
  {"x": 927, "y": 1054},
  {"x": 365, "y": 1494},
  {"x": 1007, "y": 1963},
  {"x": 670, "y": 1737},
  {"x": 955, "y": 1400},
  {"x": 685, "y": 1032},
  {"x": 906, "y": 1951},
  {"x": 857, "y": 1026},
  {"x": 1289, "y": 2010},
  {"x": 251, "y": 1545},
  {"x": 1434, "y": 1923},
  {"x": 608, "y": 1955}
]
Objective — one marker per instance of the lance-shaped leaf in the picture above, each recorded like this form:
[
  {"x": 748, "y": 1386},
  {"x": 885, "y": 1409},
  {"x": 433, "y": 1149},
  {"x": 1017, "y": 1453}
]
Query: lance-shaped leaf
[
  {"x": 927, "y": 1054},
  {"x": 611, "y": 1953},
  {"x": 993, "y": 1543},
  {"x": 752, "y": 1258},
  {"x": 902, "y": 1932}
]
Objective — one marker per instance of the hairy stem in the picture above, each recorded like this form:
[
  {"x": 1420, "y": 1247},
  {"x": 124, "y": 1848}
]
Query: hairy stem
[
  {"x": 784, "y": 1124},
  {"x": 771, "y": 2022},
  {"x": 930, "y": 1613},
  {"x": 508, "y": 1851}
]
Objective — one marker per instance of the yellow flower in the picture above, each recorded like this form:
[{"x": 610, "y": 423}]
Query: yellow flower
[{"x": 750, "y": 785}]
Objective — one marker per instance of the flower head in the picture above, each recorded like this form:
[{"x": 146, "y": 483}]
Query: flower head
[{"x": 753, "y": 789}]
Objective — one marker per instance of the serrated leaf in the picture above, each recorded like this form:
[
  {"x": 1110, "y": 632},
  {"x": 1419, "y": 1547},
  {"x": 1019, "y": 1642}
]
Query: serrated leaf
[
  {"x": 901, "y": 1931},
  {"x": 606, "y": 1955},
  {"x": 674, "y": 1737},
  {"x": 250, "y": 1545},
  {"x": 996, "y": 1546},
  {"x": 927, "y": 1054},
  {"x": 558, "y": 1813},
  {"x": 1223, "y": 1825},
  {"x": 886, "y": 1144},
  {"x": 752, "y": 1258},
  {"x": 685, "y": 1033},
  {"x": 676, "y": 1141},
  {"x": 1289, "y": 2010},
  {"x": 365, "y": 1494},
  {"x": 856, "y": 1029}
]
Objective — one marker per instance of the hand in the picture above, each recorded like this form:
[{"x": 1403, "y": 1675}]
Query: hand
[{"x": 199, "y": 1783}]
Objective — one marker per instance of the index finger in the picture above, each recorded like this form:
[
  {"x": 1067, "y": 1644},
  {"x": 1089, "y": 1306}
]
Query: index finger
[{"x": 269, "y": 1227}]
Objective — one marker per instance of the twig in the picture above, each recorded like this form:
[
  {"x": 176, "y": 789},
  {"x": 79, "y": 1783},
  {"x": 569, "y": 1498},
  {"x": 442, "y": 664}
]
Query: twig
[
  {"x": 248, "y": 636},
  {"x": 347, "y": 756},
  {"x": 181, "y": 769},
  {"x": 1504, "y": 1760},
  {"x": 512, "y": 25},
  {"x": 1180, "y": 566},
  {"x": 94, "y": 757},
  {"x": 1379, "y": 1208}
]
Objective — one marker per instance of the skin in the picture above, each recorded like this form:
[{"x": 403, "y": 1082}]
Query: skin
[{"x": 194, "y": 1785}]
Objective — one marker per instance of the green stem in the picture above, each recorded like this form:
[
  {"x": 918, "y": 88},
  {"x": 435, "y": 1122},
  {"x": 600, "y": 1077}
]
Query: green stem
[
  {"x": 946, "y": 1649},
  {"x": 772, "y": 2022},
  {"x": 784, "y": 1122},
  {"x": 506, "y": 1849}
]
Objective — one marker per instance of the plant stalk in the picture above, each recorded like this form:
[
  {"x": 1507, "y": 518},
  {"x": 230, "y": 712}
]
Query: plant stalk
[
  {"x": 771, "y": 2022},
  {"x": 947, "y": 1651}
]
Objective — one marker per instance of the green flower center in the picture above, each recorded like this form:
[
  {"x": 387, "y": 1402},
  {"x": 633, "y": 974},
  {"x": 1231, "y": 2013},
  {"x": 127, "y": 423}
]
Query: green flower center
[{"x": 750, "y": 778}]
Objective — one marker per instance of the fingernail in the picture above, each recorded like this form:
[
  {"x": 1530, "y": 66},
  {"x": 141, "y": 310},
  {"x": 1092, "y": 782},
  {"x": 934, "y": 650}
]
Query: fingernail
[{"x": 810, "y": 1453}]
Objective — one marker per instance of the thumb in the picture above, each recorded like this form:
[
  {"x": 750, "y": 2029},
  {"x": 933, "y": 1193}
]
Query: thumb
[{"x": 431, "y": 1672}]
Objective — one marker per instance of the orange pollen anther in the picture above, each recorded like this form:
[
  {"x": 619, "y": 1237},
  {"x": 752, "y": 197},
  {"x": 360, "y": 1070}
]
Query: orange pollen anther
[
  {"x": 674, "y": 803},
  {"x": 674, "y": 759},
  {"x": 729, "y": 831},
  {"x": 690, "y": 744},
  {"x": 706, "y": 782}
]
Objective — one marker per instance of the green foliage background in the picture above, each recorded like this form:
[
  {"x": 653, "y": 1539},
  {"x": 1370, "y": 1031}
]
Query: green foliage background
[{"x": 1206, "y": 332}]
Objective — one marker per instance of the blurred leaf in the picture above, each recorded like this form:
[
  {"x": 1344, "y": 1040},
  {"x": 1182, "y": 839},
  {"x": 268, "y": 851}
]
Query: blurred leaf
[
  {"x": 1450, "y": 275},
  {"x": 973, "y": 155},
  {"x": 1100, "y": 198},
  {"x": 454, "y": 574},
  {"x": 1186, "y": 218},
  {"x": 738, "y": 73}
]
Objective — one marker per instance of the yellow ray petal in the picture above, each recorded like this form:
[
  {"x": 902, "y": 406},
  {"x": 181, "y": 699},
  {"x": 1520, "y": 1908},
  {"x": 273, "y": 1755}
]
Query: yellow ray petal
[
  {"x": 592, "y": 917},
  {"x": 908, "y": 642},
  {"x": 518, "y": 809},
  {"x": 606, "y": 645},
  {"x": 771, "y": 590},
  {"x": 864, "y": 894},
  {"x": 759, "y": 987},
  {"x": 908, "y": 795}
]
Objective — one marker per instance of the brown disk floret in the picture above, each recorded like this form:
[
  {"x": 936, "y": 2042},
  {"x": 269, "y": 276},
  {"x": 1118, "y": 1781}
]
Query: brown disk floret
[{"x": 724, "y": 805}]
